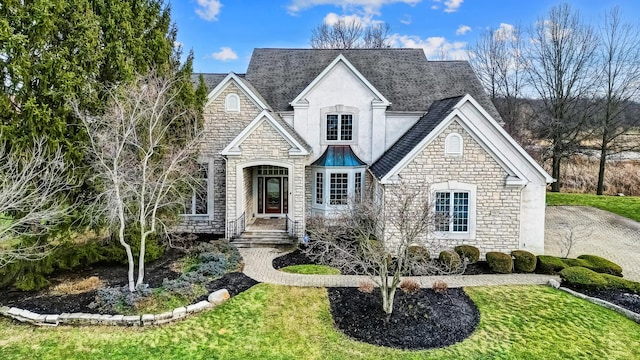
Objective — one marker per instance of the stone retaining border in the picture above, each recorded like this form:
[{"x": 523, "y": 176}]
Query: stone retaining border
[
  {"x": 214, "y": 299},
  {"x": 628, "y": 313}
]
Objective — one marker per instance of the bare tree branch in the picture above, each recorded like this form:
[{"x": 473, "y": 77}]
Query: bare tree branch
[
  {"x": 34, "y": 184},
  {"x": 143, "y": 161}
]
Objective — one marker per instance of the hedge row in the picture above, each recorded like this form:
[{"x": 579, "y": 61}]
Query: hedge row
[
  {"x": 554, "y": 265},
  {"x": 583, "y": 278}
]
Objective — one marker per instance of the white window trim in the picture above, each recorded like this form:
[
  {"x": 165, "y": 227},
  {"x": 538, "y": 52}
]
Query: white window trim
[
  {"x": 228, "y": 108},
  {"x": 447, "y": 145},
  {"x": 210, "y": 199},
  {"x": 454, "y": 186},
  {"x": 339, "y": 110},
  {"x": 326, "y": 186}
]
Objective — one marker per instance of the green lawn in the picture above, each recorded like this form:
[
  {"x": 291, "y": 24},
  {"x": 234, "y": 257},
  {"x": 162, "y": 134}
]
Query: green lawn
[
  {"x": 309, "y": 269},
  {"x": 280, "y": 322},
  {"x": 627, "y": 206}
]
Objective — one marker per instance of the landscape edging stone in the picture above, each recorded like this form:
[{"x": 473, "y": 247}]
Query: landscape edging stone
[{"x": 23, "y": 315}]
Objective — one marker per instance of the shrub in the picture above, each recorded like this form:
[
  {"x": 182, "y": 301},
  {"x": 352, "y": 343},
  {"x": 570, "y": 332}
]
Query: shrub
[
  {"x": 582, "y": 277},
  {"x": 115, "y": 252},
  {"x": 439, "y": 286},
  {"x": 618, "y": 283},
  {"x": 524, "y": 261},
  {"x": 418, "y": 253},
  {"x": 468, "y": 252},
  {"x": 449, "y": 259},
  {"x": 576, "y": 262},
  {"x": 500, "y": 262},
  {"x": 549, "y": 265},
  {"x": 366, "y": 287},
  {"x": 601, "y": 265},
  {"x": 409, "y": 286}
]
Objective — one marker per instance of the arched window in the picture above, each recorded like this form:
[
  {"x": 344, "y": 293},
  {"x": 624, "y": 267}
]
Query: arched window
[
  {"x": 453, "y": 144},
  {"x": 232, "y": 103}
]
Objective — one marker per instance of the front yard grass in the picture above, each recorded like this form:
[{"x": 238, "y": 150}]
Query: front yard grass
[
  {"x": 627, "y": 206},
  {"x": 311, "y": 269},
  {"x": 280, "y": 322}
]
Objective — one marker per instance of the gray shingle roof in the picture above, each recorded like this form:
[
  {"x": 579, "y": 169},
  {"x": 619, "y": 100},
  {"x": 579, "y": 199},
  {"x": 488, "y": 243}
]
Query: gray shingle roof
[
  {"x": 437, "y": 112},
  {"x": 403, "y": 76}
]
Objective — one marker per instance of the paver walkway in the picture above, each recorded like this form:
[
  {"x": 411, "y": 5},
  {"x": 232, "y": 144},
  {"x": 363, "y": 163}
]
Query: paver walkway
[
  {"x": 258, "y": 265},
  {"x": 597, "y": 232}
]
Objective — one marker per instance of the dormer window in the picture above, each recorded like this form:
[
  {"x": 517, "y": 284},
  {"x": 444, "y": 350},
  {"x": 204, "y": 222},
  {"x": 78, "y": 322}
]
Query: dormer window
[
  {"x": 339, "y": 127},
  {"x": 232, "y": 103}
]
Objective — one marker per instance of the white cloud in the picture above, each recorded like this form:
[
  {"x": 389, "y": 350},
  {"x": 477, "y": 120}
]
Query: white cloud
[
  {"x": 367, "y": 6},
  {"x": 177, "y": 44},
  {"x": 366, "y": 20},
  {"x": 449, "y": 5},
  {"x": 208, "y": 9},
  {"x": 225, "y": 54},
  {"x": 452, "y": 5},
  {"x": 463, "y": 29},
  {"x": 435, "y": 47},
  {"x": 505, "y": 32},
  {"x": 406, "y": 19}
]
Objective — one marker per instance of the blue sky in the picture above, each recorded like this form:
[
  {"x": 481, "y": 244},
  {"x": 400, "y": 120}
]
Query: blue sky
[{"x": 223, "y": 33}]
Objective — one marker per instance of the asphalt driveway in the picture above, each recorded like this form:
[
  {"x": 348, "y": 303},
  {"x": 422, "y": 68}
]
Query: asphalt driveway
[{"x": 595, "y": 232}]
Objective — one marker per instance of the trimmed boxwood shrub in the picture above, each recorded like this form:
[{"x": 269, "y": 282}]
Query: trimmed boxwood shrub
[
  {"x": 500, "y": 262},
  {"x": 549, "y": 265},
  {"x": 524, "y": 261},
  {"x": 601, "y": 265},
  {"x": 576, "y": 262},
  {"x": 582, "y": 277},
  {"x": 418, "y": 253},
  {"x": 469, "y": 252},
  {"x": 450, "y": 259},
  {"x": 618, "y": 283}
]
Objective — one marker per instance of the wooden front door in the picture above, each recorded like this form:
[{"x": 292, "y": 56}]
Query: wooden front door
[{"x": 273, "y": 195}]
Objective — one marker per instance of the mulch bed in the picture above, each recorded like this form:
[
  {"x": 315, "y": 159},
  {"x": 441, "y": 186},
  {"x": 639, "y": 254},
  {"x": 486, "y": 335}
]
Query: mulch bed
[
  {"x": 422, "y": 320},
  {"x": 298, "y": 257},
  {"x": 621, "y": 298},
  {"x": 43, "y": 302}
]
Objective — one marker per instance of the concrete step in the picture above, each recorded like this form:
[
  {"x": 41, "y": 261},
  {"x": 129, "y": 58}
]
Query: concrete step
[{"x": 263, "y": 238}]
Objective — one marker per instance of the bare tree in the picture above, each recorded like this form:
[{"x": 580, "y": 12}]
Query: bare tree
[
  {"x": 619, "y": 54},
  {"x": 34, "y": 184},
  {"x": 571, "y": 236},
  {"x": 497, "y": 59},
  {"x": 362, "y": 239},
  {"x": 350, "y": 34},
  {"x": 561, "y": 70},
  {"x": 143, "y": 150},
  {"x": 377, "y": 36}
]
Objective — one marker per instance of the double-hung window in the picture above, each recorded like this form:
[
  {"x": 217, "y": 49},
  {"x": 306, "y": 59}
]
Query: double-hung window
[
  {"x": 452, "y": 211},
  {"x": 197, "y": 204},
  {"x": 339, "y": 127}
]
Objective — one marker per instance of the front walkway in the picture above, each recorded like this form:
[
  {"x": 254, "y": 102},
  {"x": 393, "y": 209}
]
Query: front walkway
[
  {"x": 595, "y": 232},
  {"x": 258, "y": 265}
]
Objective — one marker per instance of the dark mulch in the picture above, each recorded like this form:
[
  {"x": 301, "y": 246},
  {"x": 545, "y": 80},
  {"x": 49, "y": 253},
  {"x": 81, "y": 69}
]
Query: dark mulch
[
  {"x": 621, "y": 298},
  {"x": 422, "y": 320},
  {"x": 235, "y": 283},
  {"x": 296, "y": 257},
  {"x": 111, "y": 275}
]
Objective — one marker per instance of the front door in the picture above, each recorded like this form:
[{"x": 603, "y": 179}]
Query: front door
[{"x": 273, "y": 195}]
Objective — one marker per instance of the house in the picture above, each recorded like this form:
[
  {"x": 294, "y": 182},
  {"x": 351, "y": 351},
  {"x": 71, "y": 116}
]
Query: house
[{"x": 303, "y": 130}]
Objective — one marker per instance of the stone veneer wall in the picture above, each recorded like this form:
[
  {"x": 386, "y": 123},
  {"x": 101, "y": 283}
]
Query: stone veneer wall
[
  {"x": 248, "y": 193},
  {"x": 265, "y": 145},
  {"x": 220, "y": 128},
  {"x": 498, "y": 206}
]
